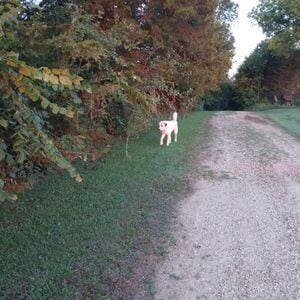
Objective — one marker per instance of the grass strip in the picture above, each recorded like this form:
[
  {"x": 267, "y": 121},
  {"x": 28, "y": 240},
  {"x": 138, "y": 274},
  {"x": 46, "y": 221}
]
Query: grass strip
[{"x": 288, "y": 119}]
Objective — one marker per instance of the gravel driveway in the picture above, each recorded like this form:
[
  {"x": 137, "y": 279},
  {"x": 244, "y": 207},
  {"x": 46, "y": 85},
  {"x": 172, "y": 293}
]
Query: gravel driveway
[{"x": 238, "y": 234}]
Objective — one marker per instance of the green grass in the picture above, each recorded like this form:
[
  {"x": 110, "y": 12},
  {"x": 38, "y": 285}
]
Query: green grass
[
  {"x": 288, "y": 119},
  {"x": 64, "y": 240}
]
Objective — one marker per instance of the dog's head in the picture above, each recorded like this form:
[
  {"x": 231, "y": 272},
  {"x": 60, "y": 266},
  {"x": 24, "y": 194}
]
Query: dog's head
[{"x": 162, "y": 126}]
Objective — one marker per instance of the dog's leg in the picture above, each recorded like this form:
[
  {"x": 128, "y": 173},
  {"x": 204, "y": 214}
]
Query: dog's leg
[
  {"x": 176, "y": 132},
  {"x": 162, "y": 139},
  {"x": 169, "y": 139}
]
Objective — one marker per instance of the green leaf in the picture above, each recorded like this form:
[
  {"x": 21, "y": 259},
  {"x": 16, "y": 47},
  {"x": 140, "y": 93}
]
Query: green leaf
[
  {"x": 55, "y": 87},
  {"x": 3, "y": 196},
  {"x": 12, "y": 197},
  {"x": 38, "y": 75},
  {"x": 26, "y": 71},
  {"x": 12, "y": 17},
  {"x": 34, "y": 95},
  {"x": 3, "y": 123},
  {"x": 63, "y": 111},
  {"x": 65, "y": 80},
  {"x": 46, "y": 76},
  {"x": 70, "y": 113},
  {"x": 21, "y": 157},
  {"x": 55, "y": 108},
  {"x": 53, "y": 79},
  {"x": 89, "y": 90},
  {"x": 45, "y": 103},
  {"x": 2, "y": 154}
]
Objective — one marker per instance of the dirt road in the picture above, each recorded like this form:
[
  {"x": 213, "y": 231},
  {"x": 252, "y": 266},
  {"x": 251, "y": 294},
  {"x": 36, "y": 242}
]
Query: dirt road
[{"x": 238, "y": 234}]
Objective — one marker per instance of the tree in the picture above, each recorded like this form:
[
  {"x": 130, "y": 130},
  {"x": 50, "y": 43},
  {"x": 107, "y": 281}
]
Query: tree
[
  {"x": 220, "y": 99},
  {"x": 167, "y": 50},
  {"x": 191, "y": 46},
  {"x": 251, "y": 73},
  {"x": 267, "y": 74},
  {"x": 279, "y": 20},
  {"x": 272, "y": 69}
]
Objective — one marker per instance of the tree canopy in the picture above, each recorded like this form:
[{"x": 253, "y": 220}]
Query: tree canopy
[
  {"x": 270, "y": 73},
  {"x": 279, "y": 20},
  {"x": 73, "y": 72}
]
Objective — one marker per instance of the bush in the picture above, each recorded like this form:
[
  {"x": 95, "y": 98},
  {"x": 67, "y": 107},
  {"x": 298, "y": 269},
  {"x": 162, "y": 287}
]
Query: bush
[
  {"x": 228, "y": 97},
  {"x": 220, "y": 99},
  {"x": 26, "y": 107},
  {"x": 244, "y": 99}
]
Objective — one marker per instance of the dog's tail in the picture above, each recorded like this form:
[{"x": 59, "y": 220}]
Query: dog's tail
[{"x": 175, "y": 116}]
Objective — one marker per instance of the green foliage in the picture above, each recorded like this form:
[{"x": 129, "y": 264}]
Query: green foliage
[
  {"x": 269, "y": 75},
  {"x": 279, "y": 20},
  {"x": 255, "y": 66},
  {"x": 138, "y": 50},
  {"x": 271, "y": 72},
  {"x": 230, "y": 97},
  {"x": 24, "y": 106},
  {"x": 192, "y": 61},
  {"x": 99, "y": 56},
  {"x": 221, "y": 99},
  {"x": 227, "y": 11},
  {"x": 244, "y": 99}
]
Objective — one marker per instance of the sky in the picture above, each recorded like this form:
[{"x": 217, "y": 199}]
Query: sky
[{"x": 247, "y": 34}]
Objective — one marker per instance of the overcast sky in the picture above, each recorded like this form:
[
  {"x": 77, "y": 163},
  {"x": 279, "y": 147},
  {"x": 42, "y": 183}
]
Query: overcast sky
[{"x": 246, "y": 33}]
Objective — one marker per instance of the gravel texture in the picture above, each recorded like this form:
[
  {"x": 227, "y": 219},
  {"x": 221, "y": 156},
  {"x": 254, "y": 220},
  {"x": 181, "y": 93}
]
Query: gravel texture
[{"x": 238, "y": 233}]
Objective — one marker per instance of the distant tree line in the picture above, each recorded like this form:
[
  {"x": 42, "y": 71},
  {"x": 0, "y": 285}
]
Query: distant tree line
[{"x": 271, "y": 73}]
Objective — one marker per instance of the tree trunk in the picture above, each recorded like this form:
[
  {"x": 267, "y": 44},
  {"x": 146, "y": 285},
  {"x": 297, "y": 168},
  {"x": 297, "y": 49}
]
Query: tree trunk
[{"x": 126, "y": 147}]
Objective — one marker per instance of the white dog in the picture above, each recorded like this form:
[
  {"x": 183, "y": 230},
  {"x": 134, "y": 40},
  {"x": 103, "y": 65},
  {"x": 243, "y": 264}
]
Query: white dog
[{"x": 167, "y": 127}]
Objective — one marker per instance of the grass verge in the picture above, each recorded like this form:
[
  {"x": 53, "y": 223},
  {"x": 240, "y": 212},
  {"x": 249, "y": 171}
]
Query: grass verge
[
  {"x": 68, "y": 240},
  {"x": 288, "y": 119}
]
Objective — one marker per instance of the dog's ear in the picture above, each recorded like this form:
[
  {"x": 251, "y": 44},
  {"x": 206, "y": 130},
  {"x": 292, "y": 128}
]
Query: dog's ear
[{"x": 166, "y": 124}]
